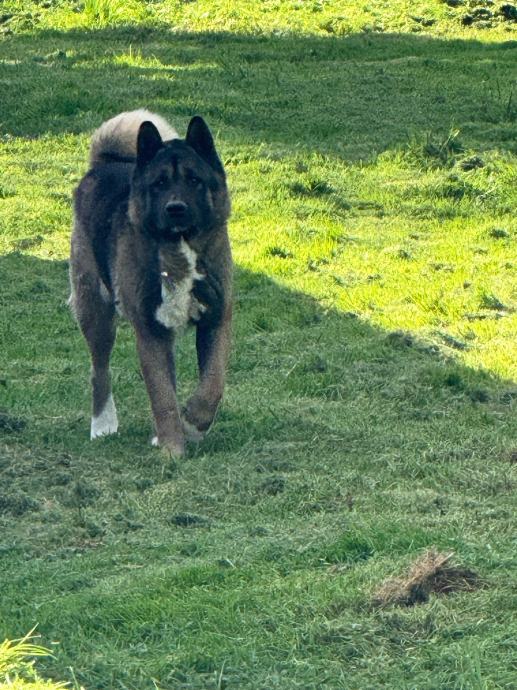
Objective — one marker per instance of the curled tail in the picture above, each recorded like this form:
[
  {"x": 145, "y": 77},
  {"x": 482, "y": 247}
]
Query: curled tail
[{"x": 115, "y": 140}]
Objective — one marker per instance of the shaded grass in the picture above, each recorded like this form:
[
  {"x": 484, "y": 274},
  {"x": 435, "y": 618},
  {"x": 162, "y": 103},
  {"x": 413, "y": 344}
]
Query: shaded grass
[
  {"x": 236, "y": 80},
  {"x": 278, "y": 496},
  {"x": 370, "y": 412}
]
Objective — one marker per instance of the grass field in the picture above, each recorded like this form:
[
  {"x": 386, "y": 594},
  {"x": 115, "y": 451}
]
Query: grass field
[{"x": 371, "y": 407}]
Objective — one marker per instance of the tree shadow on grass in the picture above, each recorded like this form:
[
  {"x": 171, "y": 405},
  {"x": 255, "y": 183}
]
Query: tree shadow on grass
[
  {"x": 299, "y": 373},
  {"x": 352, "y": 96}
]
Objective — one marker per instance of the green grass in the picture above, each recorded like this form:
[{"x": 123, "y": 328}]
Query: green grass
[
  {"x": 371, "y": 406},
  {"x": 17, "y": 666}
]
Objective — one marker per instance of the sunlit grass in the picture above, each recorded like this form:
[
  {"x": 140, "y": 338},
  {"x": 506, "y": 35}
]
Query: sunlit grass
[
  {"x": 333, "y": 18},
  {"x": 17, "y": 670}
]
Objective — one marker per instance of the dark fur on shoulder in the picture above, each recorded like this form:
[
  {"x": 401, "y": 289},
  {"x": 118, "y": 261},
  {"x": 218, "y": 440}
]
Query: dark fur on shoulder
[{"x": 150, "y": 241}]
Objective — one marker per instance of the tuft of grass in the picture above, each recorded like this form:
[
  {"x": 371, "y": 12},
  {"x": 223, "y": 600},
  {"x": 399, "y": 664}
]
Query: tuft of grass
[
  {"x": 436, "y": 150},
  {"x": 430, "y": 573},
  {"x": 112, "y": 12},
  {"x": 17, "y": 665}
]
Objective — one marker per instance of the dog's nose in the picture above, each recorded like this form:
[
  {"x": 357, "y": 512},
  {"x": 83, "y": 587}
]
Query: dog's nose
[{"x": 176, "y": 209}]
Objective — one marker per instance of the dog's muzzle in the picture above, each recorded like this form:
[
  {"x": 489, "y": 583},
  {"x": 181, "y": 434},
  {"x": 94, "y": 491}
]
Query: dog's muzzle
[
  {"x": 178, "y": 217},
  {"x": 177, "y": 211}
]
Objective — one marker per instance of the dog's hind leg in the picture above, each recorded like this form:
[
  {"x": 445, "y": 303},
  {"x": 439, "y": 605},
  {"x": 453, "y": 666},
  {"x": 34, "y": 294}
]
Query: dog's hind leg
[{"x": 95, "y": 313}]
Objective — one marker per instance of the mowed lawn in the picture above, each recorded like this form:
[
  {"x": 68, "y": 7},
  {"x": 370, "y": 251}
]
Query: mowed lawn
[{"x": 370, "y": 415}]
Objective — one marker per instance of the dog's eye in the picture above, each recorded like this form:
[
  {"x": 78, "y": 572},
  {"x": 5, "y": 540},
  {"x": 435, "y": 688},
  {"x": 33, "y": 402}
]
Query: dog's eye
[
  {"x": 160, "y": 182},
  {"x": 194, "y": 180}
]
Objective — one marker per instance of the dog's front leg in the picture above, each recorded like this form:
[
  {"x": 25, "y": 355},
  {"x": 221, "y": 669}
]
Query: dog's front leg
[
  {"x": 157, "y": 364},
  {"x": 213, "y": 346}
]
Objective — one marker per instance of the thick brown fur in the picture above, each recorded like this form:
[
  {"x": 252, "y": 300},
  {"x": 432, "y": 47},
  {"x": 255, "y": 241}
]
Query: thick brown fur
[{"x": 150, "y": 241}]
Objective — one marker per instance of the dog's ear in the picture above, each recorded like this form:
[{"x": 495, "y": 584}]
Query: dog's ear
[
  {"x": 199, "y": 137},
  {"x": 148, "y": 143}
]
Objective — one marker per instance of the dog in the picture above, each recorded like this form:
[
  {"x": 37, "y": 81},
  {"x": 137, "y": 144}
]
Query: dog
[{"x": 150, "y": 241}]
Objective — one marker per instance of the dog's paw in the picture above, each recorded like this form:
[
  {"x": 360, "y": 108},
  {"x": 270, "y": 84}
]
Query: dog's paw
[
  {"x": 171, "y": 449},
  {"x": 192, "y": 433},
  {"x": 106, "y": 422},
  {"x": 197, "y": 417}
]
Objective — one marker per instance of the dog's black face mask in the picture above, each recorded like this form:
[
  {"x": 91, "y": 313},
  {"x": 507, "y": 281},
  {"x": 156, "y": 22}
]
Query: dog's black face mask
[{"x": 177, "y": 184}]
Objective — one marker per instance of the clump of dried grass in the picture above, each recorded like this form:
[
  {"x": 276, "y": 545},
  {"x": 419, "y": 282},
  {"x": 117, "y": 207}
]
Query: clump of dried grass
[{"x": 430, "y": 573}]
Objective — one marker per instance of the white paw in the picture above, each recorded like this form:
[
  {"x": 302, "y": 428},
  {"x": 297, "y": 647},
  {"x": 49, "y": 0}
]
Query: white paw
[
  {"x": 154, "y": 441},
  {"x": 106, "y": 422}
]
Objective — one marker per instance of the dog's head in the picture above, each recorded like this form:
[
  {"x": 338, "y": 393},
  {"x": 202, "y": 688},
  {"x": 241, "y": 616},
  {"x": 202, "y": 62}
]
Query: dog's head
[{"x": 179, "y": 186}]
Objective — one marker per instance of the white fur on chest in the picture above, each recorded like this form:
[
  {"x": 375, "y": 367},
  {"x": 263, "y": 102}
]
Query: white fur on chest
[{"x": 179, "y": 306}]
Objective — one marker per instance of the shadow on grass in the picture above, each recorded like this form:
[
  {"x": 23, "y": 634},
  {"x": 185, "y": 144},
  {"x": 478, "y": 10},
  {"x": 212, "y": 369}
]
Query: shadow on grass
[
  {"x": 298, "y": 372},
  {"x": 353, "y": 96}
]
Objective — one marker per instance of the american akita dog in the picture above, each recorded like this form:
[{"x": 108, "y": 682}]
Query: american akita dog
[{"x": 150, "y": 241}]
